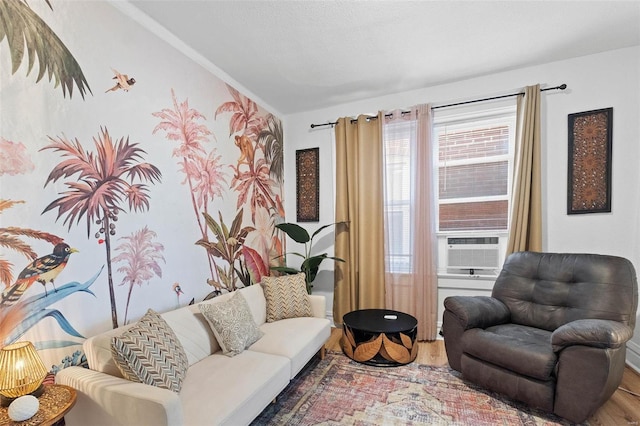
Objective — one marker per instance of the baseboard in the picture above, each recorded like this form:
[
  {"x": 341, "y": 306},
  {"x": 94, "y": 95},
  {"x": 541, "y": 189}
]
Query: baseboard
[
  {"x": 633, "y": 356},
  {"x": 329, "y": 316}
]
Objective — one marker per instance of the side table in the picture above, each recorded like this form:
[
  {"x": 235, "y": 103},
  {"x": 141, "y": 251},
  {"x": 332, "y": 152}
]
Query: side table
[
  {"x": 55, "y": 402},
  {"x": 380, "y": 337}
]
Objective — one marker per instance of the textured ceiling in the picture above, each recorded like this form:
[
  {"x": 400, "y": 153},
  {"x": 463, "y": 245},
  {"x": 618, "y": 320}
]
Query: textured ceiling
[{"x": 304, "y": 55}]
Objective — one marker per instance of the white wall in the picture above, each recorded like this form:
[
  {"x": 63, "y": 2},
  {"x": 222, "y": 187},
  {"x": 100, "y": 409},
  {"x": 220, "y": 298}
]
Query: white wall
[{"x": 610, "y": 79}]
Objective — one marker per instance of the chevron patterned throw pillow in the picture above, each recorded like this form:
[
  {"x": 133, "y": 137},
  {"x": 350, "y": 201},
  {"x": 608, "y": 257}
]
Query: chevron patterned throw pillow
[
  {"x": 286, "y": 297},
  {"x": 150, "y": 353}
]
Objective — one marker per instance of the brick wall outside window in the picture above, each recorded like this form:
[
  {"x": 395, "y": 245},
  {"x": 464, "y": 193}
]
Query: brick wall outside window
[
  {"x": 480, "y": 215},
  {"x": 473, "y": 144},
  {"x": 474, "y": 180},
  {"x": 468, "y": 169}
]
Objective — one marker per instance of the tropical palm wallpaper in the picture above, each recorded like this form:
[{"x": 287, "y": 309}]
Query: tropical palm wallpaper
[{"x": 130, "y": 177}]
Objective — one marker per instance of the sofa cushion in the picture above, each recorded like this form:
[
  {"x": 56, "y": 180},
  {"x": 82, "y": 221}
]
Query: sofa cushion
[
  {"x": 287, "y": 297},
  {"x": 524, "y": 350},
  {"x": 537, "y": 393},
  {"x": 220, "y": 390},
  {"x": 150, "y": 353},
  {"x": 254, "y": 295},
  {"x": 295, "y": 338},
  {"x": 232, "y": 323}
]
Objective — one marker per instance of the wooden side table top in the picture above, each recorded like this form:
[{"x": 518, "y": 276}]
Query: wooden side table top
[
  {"x": 55, "y": 402},
  {"x": 376, "y": 321}
]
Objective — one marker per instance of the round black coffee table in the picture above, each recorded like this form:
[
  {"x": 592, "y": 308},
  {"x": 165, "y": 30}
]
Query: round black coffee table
[{"x": 380, "y": 337}]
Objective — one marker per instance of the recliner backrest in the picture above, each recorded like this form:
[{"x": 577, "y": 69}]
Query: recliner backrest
[{"x": 548, "y": 290}]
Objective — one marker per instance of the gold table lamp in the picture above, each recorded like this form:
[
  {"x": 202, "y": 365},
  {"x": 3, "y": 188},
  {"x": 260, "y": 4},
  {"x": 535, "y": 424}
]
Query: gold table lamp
[{"x": 22, "y": 371}]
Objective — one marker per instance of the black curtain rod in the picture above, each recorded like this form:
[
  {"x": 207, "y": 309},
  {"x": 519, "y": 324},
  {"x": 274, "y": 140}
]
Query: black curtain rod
[{"x": 473, "y": 101}]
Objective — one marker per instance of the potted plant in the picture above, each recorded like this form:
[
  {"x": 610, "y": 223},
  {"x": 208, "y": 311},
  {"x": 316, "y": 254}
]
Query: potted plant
[{"x": 310, "y": 263}]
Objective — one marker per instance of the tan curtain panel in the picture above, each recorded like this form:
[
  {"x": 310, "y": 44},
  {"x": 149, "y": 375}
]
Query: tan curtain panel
[
  {"x": 525, "y": 229},
  {"x": 359, "y": 281},
  {"x": 410, "y": 192}
]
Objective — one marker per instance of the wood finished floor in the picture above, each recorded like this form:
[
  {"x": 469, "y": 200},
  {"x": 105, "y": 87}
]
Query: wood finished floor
[{"x": 622, "y": 408}]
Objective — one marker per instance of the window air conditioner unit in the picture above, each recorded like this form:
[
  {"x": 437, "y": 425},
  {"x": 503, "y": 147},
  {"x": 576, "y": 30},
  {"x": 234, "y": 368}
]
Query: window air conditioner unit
[{"x": 473, "y": 253}]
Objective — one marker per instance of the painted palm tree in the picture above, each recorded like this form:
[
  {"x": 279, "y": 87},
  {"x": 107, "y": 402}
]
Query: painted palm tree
[
  {"x": 13, "y": 238},
  {"x": 251, "y": 177},
  {"x": 103, "y": 181},
  {"x": 253, "y": 173},
  {"x": 254, "y": 186},
  {"x": 22, "y": 27},
  {"x": 245, "y": 119},
  {"x": 272, "y": 140},
  {"x": 140, "y": 255},
  {"x": 203, "y": 172}
]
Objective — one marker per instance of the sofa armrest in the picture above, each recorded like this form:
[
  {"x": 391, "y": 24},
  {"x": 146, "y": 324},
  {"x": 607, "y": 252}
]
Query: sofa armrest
[
  {"x": 106, "y": 399},
  {"x": 477, "y": 311},
  {"x": 591, "y": 332},
  {"x": 318, "y": 305}
]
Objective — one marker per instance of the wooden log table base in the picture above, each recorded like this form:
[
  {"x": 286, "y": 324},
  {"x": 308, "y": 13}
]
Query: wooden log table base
[{"x": 370, "y": 338}]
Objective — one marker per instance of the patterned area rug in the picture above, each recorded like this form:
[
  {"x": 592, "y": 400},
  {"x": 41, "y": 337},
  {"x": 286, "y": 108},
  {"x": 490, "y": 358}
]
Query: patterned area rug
[{"x": 339, "y": 391}]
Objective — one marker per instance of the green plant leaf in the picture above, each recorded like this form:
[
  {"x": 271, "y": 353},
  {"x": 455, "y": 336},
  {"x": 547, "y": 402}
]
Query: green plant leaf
[
  {"x": 296, "y": 232},
  {"x": 311, "y": 264},
  {"x": 235, "y": 225},
  {"x": 285, "y": 270},
  {"x": 320, "y": 229},
  {"x": 313, "y": 261},
  {"x": 217, "y": 249},
  {"x": 225, "y": 230},
  {"x": 24, "y": 28},
  {"x": 215, "y": 228}
]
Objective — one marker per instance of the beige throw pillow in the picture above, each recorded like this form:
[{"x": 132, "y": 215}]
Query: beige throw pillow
[
  {"x": 286, "y": 297},
  {"x": 232, "y": 324},
  {"x": 150, "y": 353}
]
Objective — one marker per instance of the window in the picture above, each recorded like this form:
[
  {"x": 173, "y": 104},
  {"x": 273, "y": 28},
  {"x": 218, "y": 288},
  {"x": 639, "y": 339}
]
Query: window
[
  {"x": 474, "y": 155},
  {"x": 397, "y": 152},
  {"x": 475, "y": 161}
]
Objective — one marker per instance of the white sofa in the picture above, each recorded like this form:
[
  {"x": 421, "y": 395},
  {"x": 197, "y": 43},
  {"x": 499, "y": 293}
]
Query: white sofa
[{"x": 217, "y": 390}]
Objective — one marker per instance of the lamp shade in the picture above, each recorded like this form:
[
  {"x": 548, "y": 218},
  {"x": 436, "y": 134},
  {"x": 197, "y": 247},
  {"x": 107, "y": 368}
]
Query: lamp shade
[{"x": 22, "y": 370}]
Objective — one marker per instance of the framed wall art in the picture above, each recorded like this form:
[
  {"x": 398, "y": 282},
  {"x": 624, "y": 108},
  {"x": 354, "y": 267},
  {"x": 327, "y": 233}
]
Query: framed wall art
[
  {"x": 308, "y": 185},
  {"x": 589, "y": 162}
]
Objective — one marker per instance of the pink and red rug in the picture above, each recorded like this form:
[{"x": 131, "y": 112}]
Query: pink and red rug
[{"x": 339, "y": 391}]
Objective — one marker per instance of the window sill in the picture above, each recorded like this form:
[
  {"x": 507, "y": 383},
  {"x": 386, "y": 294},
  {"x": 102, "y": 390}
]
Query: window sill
[{"x": 484, "y": 277}]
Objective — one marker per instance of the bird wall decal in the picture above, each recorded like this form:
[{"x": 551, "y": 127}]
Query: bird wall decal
[
  {"x": 44, "y": 269},
  {"x": 178, "y": 290},
  {"x": 123, "y": 82}
]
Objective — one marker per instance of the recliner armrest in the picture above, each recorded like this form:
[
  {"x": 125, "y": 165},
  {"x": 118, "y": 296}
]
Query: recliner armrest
[
  {"x": 591, "y": 332},
  {"x": 477, "y": 311}
]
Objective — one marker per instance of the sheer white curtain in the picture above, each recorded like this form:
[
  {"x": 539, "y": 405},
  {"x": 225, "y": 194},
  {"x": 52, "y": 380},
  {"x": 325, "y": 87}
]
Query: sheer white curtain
[{"x": 410, "y": 236}]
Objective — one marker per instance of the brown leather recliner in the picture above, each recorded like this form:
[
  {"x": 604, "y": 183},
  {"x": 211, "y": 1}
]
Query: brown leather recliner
[{"x": 553, "y": 333}]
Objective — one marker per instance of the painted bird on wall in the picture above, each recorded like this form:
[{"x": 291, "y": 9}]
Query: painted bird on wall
[
  {"x": 123, "y": 82},
  {"x": 44, "y": 269},
  {"x": 178, "y": 290}
]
